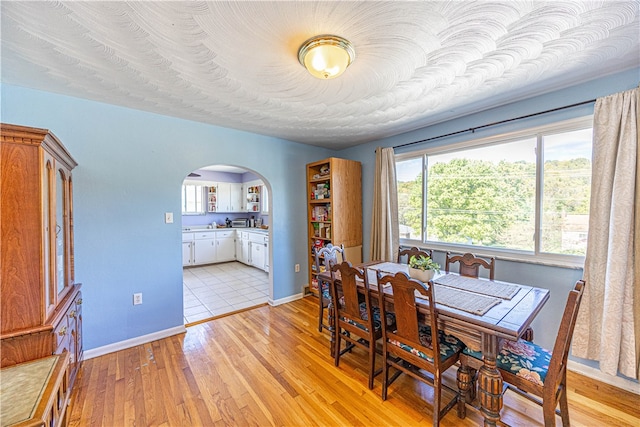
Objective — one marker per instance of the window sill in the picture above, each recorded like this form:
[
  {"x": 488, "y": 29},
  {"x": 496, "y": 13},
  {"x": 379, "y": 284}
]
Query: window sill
[{"x": 549, "y": 260}]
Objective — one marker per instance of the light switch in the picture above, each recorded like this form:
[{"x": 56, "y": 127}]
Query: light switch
[{"x": 168, "y": 218}]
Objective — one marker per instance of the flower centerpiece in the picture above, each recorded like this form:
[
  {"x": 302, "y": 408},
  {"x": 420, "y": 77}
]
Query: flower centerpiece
[{"x": 422, "y": 268}]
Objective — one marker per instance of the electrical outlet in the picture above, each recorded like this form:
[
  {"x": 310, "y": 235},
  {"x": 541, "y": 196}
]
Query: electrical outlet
[
  {"x": 168, "y": 218},
  {"x": 137, "y": 298},
  {"x": 297, "y": 268}
]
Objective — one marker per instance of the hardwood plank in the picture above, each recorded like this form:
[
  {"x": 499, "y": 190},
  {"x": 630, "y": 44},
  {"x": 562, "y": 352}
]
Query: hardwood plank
[{"x": 271, "y": 367}]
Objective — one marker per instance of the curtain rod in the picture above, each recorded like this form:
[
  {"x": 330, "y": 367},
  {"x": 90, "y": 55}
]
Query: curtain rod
[{"x": 473, "y": 129}]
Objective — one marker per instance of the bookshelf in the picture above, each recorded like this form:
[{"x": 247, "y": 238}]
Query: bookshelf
[{"x": 334, "y": 209}]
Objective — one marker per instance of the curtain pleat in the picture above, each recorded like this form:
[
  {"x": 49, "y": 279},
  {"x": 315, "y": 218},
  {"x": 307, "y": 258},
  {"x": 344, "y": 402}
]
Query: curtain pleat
[
  {"x": 384, "y": 218},
  {"x": 607, "y": 325}
]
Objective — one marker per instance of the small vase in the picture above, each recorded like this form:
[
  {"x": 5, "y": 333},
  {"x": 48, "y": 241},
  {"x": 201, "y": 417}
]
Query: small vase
[{"x": 422, "y": 275}]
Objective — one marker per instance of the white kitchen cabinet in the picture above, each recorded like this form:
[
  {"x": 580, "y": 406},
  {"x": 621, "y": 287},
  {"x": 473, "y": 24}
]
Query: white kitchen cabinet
[
  {"x": 187, "y": 249},
  {"x": 239, "y": 247},
  {"x": 204, "y": 250},
  {"x": 229, "y": 197},
  {"x": 186, "y": 253},
  {"x": 258, "y": 250},
  {"x": 225, "y": 246},
  {"x": 257, "y": 255},
  {"x": 246, "y": 253},
  {"x": 266, "y": 254}
]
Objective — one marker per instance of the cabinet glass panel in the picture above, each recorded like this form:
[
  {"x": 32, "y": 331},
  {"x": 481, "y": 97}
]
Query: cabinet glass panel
[
  {"x": 49, "y": 223},
  {"x": 61, "y": 232}
]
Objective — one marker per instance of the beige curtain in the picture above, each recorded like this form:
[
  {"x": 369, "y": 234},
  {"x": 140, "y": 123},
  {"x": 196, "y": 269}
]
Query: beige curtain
[
  {"x": 607, "y": 325},
  {"x": 384, "y": 218}
]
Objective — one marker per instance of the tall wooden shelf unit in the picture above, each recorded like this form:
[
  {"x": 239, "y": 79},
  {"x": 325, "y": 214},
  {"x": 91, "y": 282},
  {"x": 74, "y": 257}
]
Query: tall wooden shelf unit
[
  {"x": 41, "y": 304},
  {"x": 334, "y": 209}
]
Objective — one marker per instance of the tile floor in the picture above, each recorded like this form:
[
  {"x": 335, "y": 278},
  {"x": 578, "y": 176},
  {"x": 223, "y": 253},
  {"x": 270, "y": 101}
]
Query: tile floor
[{"x": 217, "y": 289}]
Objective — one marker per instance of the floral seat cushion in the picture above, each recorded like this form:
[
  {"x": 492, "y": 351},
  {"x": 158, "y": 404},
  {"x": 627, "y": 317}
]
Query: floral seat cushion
[
  {"x": 522, "y": 359},
  {"x": 325, "y": 291},
  {"x": 449, "y": 344},
  {"x": 391, "y": 318}
]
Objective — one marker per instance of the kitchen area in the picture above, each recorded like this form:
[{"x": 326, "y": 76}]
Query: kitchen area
[{"x": 225, "y": 242}]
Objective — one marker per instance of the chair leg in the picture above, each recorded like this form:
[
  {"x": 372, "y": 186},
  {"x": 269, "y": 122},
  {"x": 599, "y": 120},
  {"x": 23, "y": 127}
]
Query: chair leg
[
  {"x": 564, "y": 408},
  {"x": 336, "y": 354},
  {"x": 437, "y": 391},
  {"x": 385, "y": 376},
  {"x": 372, "y": 362},
  {"x": 549, "y": 413},
  {"x": 321, "y": 313}
]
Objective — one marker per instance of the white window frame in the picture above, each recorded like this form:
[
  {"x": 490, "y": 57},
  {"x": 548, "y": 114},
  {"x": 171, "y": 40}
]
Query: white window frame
[
  {"x": 203, "y": 198},
  {"x": 536, "y": 257}
]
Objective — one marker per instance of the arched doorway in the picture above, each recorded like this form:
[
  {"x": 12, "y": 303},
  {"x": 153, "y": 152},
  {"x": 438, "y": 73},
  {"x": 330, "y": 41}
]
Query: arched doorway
[{"x": 226, "y": 222}]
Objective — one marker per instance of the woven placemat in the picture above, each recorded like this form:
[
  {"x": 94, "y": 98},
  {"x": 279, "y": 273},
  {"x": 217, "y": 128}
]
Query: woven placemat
[
  {"x": 463, "y": 300},
  {"x": 485, "y": 287}
]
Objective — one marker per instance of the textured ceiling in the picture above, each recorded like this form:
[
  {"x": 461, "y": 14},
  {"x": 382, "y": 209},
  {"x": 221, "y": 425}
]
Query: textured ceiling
[{"x": 234, "y": 63}]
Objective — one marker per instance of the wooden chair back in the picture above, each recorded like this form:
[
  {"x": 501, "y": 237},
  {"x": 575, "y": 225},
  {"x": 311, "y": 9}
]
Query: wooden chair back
[
  {"x": 324, "y": 258},
  {"x": 329, "y": 254},
  {"x": 406, "y": 311},
  {"x": 348, "y": 295},
  {"x": 470, "y": 264},
  {"x": 558, "y": 364},
  {"x": 405, "y": 254}
]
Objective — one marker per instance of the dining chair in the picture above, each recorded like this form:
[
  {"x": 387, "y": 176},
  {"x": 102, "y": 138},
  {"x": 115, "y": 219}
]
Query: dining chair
[
  {"x": 323, "y": 256},
  {"x": 408, "y": 345},
  {"x": 536, "y": 373},
  {"x": 470, "y": 266},
  {"x": 354, "y": 320},
  {"x": 409, "y": 252}
]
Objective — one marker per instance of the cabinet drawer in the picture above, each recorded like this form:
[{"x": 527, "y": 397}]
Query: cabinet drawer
[
  {"x": 187, "y": 237},
  {"x": 224, "y": 234},
  {"x": 244, "y": 235},
  {"x": 61, "y": 335},
  {"x": 205, "y": 235}
]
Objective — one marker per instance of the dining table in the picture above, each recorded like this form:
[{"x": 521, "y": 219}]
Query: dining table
[{"x": 479, "y": 312}]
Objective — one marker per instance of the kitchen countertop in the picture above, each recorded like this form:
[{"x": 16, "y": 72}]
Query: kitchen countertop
[{"x": 198, "y": 229}]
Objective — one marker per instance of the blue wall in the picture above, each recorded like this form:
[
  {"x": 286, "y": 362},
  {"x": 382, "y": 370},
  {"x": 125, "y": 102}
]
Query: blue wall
[{"x": 131, "y": 166}]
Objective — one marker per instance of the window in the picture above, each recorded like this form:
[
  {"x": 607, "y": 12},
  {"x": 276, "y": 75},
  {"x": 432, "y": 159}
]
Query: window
[
  {"x": 193, "y": 199},
  {"x": 265, "y": 200},
  {"x": 494, "y": 194}
]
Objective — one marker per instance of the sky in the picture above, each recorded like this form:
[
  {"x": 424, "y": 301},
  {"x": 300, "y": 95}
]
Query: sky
[{"x": 564, "y": 146}]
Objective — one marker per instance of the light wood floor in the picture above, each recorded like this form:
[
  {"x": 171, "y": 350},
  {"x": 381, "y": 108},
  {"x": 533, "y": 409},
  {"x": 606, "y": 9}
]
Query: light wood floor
[{"x": 271, "y": 366}]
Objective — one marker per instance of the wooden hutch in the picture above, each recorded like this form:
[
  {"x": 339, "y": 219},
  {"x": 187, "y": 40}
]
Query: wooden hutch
[{"x": 41, "y": 304}]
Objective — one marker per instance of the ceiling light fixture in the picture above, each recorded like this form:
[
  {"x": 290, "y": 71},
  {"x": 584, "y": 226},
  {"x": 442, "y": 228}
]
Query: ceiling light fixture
[{"x": 326, "y": 56}]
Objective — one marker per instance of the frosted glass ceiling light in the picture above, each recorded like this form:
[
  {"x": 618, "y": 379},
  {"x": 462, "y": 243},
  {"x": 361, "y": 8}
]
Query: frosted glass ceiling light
[{"x": 326, "y": 56}]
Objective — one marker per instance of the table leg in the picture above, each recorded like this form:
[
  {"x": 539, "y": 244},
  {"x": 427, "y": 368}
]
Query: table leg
[
  {"x": 464, "y": 380},
  {"x": 490, "y": 382}
]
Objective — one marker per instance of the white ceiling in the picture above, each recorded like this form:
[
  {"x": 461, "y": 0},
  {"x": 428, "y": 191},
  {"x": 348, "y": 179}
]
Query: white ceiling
[{"x": 234, "y": 63}]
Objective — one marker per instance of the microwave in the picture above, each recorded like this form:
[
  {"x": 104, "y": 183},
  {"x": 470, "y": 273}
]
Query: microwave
[{"x": 240, "y": 223}]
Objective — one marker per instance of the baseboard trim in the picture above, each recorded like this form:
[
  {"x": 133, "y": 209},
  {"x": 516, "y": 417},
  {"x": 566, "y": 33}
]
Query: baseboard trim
[
  {"x": 286, "y": 299},
  {"x": 143, "y": 339},
  {"x": 598, "y": 375}
]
